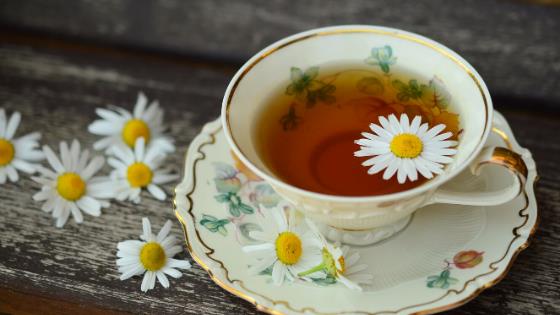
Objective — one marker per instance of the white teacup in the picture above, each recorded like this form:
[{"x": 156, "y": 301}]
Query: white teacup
[{"x": 364, "y": 220}]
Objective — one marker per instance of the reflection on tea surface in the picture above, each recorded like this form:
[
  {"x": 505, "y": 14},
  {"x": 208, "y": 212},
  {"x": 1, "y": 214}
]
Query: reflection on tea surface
[{"x": 306, "y": 132}]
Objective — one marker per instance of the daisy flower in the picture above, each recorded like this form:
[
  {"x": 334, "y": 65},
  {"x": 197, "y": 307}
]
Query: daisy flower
[
  {"x": 137, "y": 169},
  {"x": 286, "y": 247},
  {"x": 406, "y": 148},
  {"x": 71, "y": 186},
  {"x": 339, "y": 263},
  {"x": 121, "y": 128},
  {"x": 17, "y": 154},
  {"x": 152, "y": 256}
]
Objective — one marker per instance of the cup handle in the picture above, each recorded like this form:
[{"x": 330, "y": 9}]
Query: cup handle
[{"x": 512, "y": 161}]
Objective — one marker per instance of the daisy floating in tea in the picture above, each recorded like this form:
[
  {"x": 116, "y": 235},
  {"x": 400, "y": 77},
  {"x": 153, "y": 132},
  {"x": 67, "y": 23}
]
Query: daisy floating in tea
[{"x": 406, "y": 148}]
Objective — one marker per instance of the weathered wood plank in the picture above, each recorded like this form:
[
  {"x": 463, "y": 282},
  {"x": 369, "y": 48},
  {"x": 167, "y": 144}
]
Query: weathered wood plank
[
  {"x": 513, "y": 44},
  {"x": 57, "y": 91},
  {"x": 56, "y": 95}
]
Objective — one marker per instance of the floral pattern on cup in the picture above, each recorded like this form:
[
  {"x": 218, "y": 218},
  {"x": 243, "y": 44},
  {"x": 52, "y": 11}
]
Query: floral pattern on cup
[
  {"x": 382, "y": 57},
  {"x": 241, "y": 192},
  {"x": 462, "y": 260}
]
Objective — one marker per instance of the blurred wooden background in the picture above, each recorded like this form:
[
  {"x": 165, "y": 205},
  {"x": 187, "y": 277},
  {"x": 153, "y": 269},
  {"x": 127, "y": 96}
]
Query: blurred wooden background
[{"x": 61, "y": 59}]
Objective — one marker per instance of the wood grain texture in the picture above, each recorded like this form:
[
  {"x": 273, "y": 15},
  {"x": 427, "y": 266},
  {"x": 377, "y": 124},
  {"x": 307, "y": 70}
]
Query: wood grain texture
[
  {"x": 56, "y": 90},
  {"x": 514, "y": 45}
]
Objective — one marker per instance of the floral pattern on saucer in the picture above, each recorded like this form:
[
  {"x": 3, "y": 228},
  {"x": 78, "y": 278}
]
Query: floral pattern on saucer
[{"x": 463, "y": 260}]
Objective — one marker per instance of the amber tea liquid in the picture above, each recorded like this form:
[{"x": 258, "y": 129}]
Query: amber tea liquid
[{"x": 307, "y": 130}]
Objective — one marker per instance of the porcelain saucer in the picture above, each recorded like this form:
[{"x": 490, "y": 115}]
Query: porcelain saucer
[{"x": 443, "y": 258}]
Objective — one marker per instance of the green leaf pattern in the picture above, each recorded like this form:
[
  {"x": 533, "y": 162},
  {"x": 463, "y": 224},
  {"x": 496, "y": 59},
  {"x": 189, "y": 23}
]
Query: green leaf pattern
[{"x": 382, "y": 57}]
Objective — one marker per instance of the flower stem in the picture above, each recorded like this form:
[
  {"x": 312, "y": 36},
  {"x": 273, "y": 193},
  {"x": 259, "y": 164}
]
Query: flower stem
[{"x": 312, "y": 270}]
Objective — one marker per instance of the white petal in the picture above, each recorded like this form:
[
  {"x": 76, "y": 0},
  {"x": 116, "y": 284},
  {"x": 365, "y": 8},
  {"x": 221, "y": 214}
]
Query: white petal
[
  {"x": 381, "y": 164},
  {"x": 106, "y": 142},
  {"x": 89, "y": 206},
  {"x": 395, "y": 124},
  {"x": 422, "y": 130},
  {"x": 381, "y": 132},
  {"x": 146, "y": 229},
  {"x": 278, "y": 273},
  {"x": 378, "y": 159},
  {"x": 372, "y": 143},
  {"x": 76, "y": 213},
  {"x": 368, "y": 151},
  {"x": 12, "y": 173},
  {"x": 421, "y": 167},
  {"x": 441, "y": 151},
  {"x": 3, "y": 176},
  {"x": 93, "y": 167},
  {"x": 441, "y": 137},
  {"x": 410, "y": 170},
  {"x": 65, "y": 156},
  {"x": 433, "y": 132},
  {"x": 370, "y": 136},
  {"x": 61, "y": 220},
  {"x": 129, "y": 248},
  {"x": 262, "y": 264},
  {"x": 148, "y": 282},
  {"x": 141, "y": 103},
  {"x": 139, "y": 146},
  {"x": 264, "y": 247},
  {"x": 164, "y": 231},
  {"x": 177, "y": 263},
  {"x": 391, "y": 169},
  {"x": 440, "y": 144},
  {"x": 104, "y": 128},
  {"x": 103, "y": 190},
  {"x": 160, "y": 178},
  {"x": 172, "y": 272},
  {"x": 401, "y": 172},
  {"x": 349, "y": 284},
  {"x": 53, "y": 159},
  {"x": 405, "y": 124},
  {"x": 415, "y": 124},
  {"x": 23, "y": 166},
  {"x": 135, "y": 270},
  {"x": 157, "y": 192},
  {"x": 109, "y": 115},
  {"x": 436, "y": 158},
  {"x": 386, "y": 125},
  {"x": 12, "y": 125},
  {"x": 162, "y": 279},
  {"x": 124, "y": 154},
  {"x": 3, "y": 123}
]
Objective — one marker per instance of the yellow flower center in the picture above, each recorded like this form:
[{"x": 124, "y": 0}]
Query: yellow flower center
[
  {"x": 7, "y": 152},
  {"x": 71, "y": 186},
  {"x": 139, "y": 175},
  {"x": 152, "y": 256},
  {"x": 134, "y": 129},
  {"x": 288, "y": 248},
  {"x": 342, "y": 265},
  {"x": 406, "y": 146}
]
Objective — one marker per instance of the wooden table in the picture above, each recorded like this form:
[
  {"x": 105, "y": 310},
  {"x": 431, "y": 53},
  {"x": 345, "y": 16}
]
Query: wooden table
[{"x": 61, "y": 59}]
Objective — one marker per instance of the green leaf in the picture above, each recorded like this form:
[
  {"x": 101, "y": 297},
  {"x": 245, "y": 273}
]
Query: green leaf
[
  {"x": 222, "y": 198},
  {"x": 246, "y": 209},
  {"x": 312, "y": 72},
  {"x": 213, "y": 224},
  {"x": 384, "y": 67},
  {"x": 329, "y": 280},
  {"x": 234, "y": 209},
  {"x": 296, "y": 74},
  {"x": 222, "y": 230},
  {"x": 247, "y": 228},
  {"x": 370, "y": 86},
  {"x": 290, "y": 90}
]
